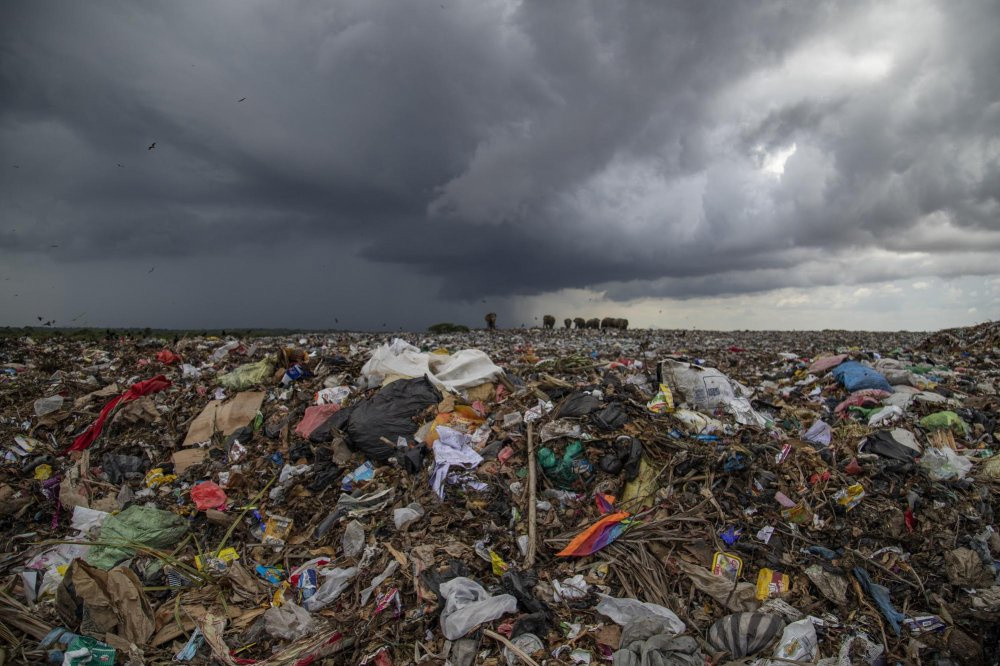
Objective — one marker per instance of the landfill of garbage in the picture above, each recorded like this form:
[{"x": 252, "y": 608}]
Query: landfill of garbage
[{"x": 522, "y": 496}]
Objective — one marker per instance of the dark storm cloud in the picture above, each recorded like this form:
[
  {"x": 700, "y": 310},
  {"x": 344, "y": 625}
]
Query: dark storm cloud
[{"x": 498, "y": 149}]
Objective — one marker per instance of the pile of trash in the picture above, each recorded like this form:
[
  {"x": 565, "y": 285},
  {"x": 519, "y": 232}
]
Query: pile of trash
[{"x": 524, "y": 496}]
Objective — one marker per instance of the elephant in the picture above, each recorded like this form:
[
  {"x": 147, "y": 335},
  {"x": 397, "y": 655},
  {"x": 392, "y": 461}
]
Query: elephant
[
  {"x": 623, "y": 324},
  {"x": 548, "y": 321},
  {"x": 568, "y": 323},
  {"x": 580, "y": 322},
  {"x": 609, "y": 322},
  {"x": 594, "y": 323},
  {"x": 491, "y": 321}
]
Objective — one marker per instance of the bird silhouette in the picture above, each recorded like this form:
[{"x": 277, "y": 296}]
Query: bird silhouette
[
  {"x": 120, "y": 165},
  {"x": 39, "y": 318},
  {"x": 243, "y": 100},
  {"x": 151, "y": 146},
  {"x": 16, "y": 166},
  {"x": 151, "y": 269}
]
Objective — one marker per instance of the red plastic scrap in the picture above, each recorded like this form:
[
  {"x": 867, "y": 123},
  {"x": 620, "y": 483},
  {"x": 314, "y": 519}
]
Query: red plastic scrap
[
  {"x": 167, "y": 357},
  {"x": 137, "y": 390},
  {"x": 208, "y": 495}
]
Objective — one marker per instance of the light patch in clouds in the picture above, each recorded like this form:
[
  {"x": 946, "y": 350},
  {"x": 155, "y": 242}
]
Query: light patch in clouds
[
  {"x": 774, "y": 163},
  {"x": 818, "y": 308}
]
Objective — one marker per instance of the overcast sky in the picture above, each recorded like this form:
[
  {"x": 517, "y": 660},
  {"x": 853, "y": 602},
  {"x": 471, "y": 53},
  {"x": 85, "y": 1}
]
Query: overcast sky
[{"x": 366, "y": 164}]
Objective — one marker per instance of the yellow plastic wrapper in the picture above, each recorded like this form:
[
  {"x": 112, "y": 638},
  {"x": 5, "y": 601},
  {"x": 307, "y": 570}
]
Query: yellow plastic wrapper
[
  {"x": 850, "y": 496},
  {"x": 798, "y": 514},
  {"x": 156, "y": 478},
  {"x": 217, "y": 562},
  {"x": 43, "y": 472},
  {"x": 276, "y": 530},
  {"x": 662, "y": 402},
  {"x": 499, "y": 566},
  {"x": 771, "y": 584}
]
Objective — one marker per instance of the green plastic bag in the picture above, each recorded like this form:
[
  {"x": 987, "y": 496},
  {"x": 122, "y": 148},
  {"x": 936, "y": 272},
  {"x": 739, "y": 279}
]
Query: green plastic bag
[
  {"x": 139, "y": 525},
  {"x": 945, "y": 421},
  {"x": 247, "y": 376},
  {"x": 569, "y": 472}
]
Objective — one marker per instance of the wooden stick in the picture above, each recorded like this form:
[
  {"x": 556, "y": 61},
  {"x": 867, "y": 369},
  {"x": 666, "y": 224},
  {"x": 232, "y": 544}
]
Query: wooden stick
[
  {"x": 513, "y": 648},
  {"x": 529, "y": 557}
]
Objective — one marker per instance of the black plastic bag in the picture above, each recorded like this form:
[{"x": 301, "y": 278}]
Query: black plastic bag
[
  {"x": 519, "y": 584},
  {"x": 119, "y": 468},
  {"x": 325, "y": 471},
  {"x": 336, "y": 422},
  {"x": 611, "y": 417},
  {"x": 577, "y": 404},
  {"x": 389, "y": 413},
  {"x": 882, "y": 443}
]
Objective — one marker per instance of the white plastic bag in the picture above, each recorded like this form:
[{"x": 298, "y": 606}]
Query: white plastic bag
[
  {"x": 353, "y": 540},
  {"x": 288, "y": 621},
  {"x": 571, "y": 588},
  {"x": 407, "y": 515},
  {"x": 388, "y": 571},
  {"x": 943, "y": 463},
  {"x": 85, "y": 519},
  {"x": 467, "y": 605},
  {"x": 335, "y": 582},
  {"x": 885, "y": 416},
  {"x": 627, "y": 611},
  {"x": 798, "y": 642}
]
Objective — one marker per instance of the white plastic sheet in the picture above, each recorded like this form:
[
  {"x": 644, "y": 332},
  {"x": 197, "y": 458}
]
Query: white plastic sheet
[{"x": 451, "y": 372}]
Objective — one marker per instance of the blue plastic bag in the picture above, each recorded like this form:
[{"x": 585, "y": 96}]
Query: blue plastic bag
[{"x": 855, "y": 376}]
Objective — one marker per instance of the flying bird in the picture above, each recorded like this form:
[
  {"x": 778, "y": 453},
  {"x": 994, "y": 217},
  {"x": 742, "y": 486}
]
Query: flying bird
[
  {"x": 121, "y": 165},
  {"x": 151, "y": 146},
  {"x": 39, "y": 318},
  {"x": 16, "y": 166},
  {"x": 151, "y": 270},
  {"x": 242, "y": 100},
  {"x": 53, "y": 246}
]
